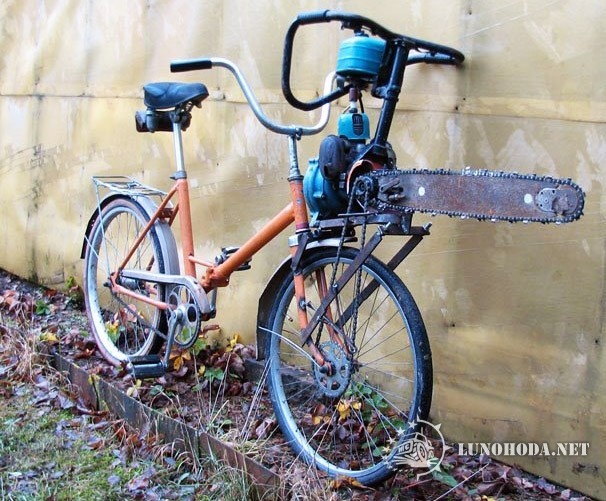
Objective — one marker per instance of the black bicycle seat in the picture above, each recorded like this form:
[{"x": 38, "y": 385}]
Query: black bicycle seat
[{"x": 163, "y": 95}]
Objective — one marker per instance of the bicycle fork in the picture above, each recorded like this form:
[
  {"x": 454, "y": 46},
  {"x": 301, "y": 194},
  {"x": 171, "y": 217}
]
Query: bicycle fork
[{"x": 329, "y": 293}]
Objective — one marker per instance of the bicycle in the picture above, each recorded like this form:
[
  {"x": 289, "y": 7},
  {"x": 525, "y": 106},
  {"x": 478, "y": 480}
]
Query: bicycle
[{"x": 348, "y": 357}]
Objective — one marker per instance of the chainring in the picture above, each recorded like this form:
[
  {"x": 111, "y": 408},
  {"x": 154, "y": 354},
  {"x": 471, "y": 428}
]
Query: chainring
[
  {"x": 188, "y": 328},
  {"x": 333, "y": 385}
]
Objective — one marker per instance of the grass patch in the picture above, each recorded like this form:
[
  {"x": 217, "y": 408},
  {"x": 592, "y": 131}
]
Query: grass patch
[
  {"x": 52, "y": 448},
  {"x": 48, "y": 453}
]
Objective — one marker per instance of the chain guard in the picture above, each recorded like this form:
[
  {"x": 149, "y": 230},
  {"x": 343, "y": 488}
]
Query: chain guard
[{"x": 474, "y": 194}]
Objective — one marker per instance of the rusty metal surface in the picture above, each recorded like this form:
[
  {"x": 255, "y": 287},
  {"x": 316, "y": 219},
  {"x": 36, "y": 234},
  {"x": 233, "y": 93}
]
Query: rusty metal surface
[{"x": 480, "y": 194}]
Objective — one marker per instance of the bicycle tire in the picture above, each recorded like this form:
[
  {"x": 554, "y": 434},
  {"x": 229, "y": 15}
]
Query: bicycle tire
[
  {"x": 356, "y": 432},
  {"x": 122, "y": 326}
]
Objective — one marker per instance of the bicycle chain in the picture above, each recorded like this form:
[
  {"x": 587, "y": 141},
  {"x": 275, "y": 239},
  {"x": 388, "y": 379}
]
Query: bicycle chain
[
  {"x": 382, "y": 205},
  {"x": 358, "y": 283}
]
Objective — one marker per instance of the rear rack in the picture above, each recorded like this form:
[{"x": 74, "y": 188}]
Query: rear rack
[{"x": 125, "y": 185}]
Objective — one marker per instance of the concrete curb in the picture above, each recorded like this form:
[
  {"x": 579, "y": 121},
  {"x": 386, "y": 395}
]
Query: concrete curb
[{"x": 101, "y": 395}]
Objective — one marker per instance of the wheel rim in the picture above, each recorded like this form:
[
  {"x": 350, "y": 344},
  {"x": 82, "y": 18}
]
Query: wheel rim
[
  {"x": 351, "y": 434},
  {"x": 123, "y": 326}
]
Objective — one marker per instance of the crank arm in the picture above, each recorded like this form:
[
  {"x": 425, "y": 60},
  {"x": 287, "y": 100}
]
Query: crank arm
[{"x": 175, "y": 319}]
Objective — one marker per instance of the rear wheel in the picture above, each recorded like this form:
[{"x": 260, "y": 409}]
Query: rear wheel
[
  {"x": 349, "y": 423},
  {"x": 123, "y": 326}
]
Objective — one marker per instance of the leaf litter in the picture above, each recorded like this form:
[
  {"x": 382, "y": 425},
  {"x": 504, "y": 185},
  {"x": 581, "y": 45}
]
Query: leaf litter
[{"x": 207, "y": 388}]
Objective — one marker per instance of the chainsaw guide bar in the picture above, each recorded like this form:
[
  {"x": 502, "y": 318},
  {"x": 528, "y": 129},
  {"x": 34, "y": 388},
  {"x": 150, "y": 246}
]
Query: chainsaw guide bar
[{"x": 474, "y": 194}]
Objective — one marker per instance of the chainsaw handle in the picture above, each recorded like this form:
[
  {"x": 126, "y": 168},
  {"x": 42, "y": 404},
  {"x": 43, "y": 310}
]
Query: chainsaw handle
[
  {"x": 350, "y": 21},
  {"x": 302, "y": 19},
  {"x": 433, "y": 58},
  {"x": 428, "y": 52}
]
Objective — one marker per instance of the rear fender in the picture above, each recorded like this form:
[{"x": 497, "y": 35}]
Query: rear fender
[
  {"x": 93, "y": 219},
  {"x": 165, "y": 235}
]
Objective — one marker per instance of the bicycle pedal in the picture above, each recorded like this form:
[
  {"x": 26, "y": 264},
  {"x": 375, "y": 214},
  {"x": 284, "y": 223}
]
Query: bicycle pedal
[
  {"x": 228, "y": 251},
  {"x": 150, "y": 366}
]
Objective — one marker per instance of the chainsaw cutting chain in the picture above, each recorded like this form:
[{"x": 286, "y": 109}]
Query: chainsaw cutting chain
[{"x": 386, "y": 206}]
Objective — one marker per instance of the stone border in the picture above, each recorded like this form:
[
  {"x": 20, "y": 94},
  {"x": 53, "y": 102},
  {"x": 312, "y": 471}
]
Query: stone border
[{"x": 101, "y": 395}]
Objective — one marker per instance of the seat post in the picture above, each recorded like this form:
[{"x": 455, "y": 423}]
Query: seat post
[
  {"x": 178, "y": 145},
  {"x": 180, "y": 177}
]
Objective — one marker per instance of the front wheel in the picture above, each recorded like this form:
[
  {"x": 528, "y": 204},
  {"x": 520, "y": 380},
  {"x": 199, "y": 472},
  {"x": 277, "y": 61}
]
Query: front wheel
[{"x": 349, "y": 423}]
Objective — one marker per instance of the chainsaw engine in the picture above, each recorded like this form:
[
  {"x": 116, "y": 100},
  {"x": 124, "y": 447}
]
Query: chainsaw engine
[{"x": 325, "y": 182}]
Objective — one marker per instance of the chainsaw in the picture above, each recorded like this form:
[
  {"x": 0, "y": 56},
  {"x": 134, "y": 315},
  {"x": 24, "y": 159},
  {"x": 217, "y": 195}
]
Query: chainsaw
[
  {"x": 352, "y": 164},
  {"x": 480, "y": 194}
]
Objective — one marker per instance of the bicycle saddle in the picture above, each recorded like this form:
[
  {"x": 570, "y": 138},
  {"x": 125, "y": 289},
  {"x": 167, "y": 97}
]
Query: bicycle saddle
[{"x": 163, "y": 95}]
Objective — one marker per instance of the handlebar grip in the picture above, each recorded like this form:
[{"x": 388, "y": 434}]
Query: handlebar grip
[
  {"x": 190, "y": 65},
  {"x": 453, "y": 58},
  {"x": 313, "y": 17},
  {"x": 443, "y": 59}
]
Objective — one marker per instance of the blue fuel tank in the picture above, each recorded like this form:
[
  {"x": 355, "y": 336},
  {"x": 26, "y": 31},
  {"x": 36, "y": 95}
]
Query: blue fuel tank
[{"x": 360, "y": 57}]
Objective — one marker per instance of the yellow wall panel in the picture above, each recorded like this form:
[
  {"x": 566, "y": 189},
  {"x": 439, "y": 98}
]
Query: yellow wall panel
[{"x": 515, "y": 313}]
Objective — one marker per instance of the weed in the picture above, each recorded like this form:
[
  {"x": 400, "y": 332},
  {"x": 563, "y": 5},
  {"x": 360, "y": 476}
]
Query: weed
[
  {"x": 74, "y": 292},
  {"x": 20, "y": 355},
  {"x": 226, "y": 482},
  {"x": 41, "y": 308}
]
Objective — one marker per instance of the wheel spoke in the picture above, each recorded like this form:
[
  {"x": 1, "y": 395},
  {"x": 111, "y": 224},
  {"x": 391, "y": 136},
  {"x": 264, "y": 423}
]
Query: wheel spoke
[
  {"x": 123, "y": 326},
  {"x": 346, "y": 421}
]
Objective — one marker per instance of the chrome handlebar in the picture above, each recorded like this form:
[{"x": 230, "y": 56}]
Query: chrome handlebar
[{"x": 288, "y": 130}]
